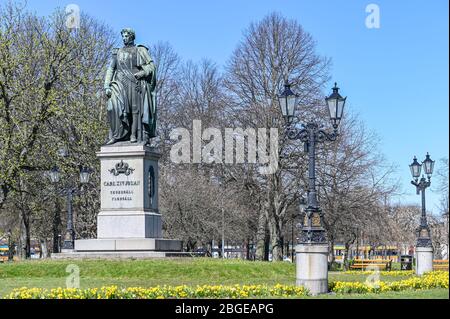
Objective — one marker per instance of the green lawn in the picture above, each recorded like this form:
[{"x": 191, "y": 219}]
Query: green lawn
[{"x": 176, "y": 271}]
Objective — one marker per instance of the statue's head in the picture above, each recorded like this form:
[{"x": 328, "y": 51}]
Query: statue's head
[{"x": 128, "y": 35}]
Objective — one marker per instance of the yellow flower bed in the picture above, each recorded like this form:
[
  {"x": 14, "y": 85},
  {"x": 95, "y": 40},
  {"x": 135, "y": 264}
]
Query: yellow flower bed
[
  {"x": 160, "y": 292},
  {"x": 394, "y": 273},
  {"x": 435, "y": 279}
]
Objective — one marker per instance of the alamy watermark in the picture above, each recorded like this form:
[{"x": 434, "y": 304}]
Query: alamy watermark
[
  {"x": 72, "y": 16},
  {"x": 373, "y": 280},
  {"x": 73, "y": 279},
  {"x": 373, "y": 19},
  {"x": 260, "y": 145}
]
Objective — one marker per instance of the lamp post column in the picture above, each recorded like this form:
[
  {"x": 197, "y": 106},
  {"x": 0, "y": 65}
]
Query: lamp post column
[
  {"x": 424, "y": 246},
  {"x": 423, "y": 218},
  {"x": 312, "y": 251},
  {"x": 312, "y": 199},
  {"x": 69, "y": 237},
  {"x": 312, "y": 231}
]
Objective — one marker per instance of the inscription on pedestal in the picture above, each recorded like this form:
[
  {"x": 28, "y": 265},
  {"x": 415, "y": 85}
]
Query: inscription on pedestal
[
  {"x": 121, "y": 185},
  {"x": 121, "y": 190}
]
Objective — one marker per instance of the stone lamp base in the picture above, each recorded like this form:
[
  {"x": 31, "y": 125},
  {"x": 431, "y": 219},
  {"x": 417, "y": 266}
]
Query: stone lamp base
[
  {"x": 312, "y": 267},
  {"x": 424, "y": 260}
]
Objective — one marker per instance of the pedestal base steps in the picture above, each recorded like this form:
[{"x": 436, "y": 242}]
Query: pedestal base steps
[
  {"x": 136, "y": 248},
  {"x": 121, "y": 255}
]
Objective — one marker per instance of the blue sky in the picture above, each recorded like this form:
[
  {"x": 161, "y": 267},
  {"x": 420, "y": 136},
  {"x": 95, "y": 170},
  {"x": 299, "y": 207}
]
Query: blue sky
[{"x": 396, "y": 77}]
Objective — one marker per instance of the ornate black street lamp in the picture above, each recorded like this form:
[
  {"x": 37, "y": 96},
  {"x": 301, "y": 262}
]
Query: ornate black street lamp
[
  {"x": 423, "y": 231},
  {"x": 69, "y": 191},
  {"x": 287, "y": 100},
  {"x": 312, "y": 231}
]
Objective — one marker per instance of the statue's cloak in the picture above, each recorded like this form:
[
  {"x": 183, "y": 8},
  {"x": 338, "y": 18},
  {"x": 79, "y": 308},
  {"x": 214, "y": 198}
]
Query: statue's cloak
[{"x": 145, "y": 62}]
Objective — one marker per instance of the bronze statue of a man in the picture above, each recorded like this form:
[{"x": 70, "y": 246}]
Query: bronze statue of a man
[{"x": 130, "y": 86}]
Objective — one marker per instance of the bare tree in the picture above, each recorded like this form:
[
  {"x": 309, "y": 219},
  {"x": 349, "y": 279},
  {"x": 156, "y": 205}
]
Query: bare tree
[
  {"x": 273, "y": 51},
  {"x": 442, "y": 188},
  {"x": 355, "y": 183},
  {"x": 168, "y": 65}
]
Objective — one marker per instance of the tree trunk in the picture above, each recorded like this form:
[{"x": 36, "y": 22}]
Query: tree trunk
[
  {"x": 56, "y": 226},
  {"x": 286, "y": 249},
  {"x": 11, "y": 251},
  {"x": 44, "y": 249},
  {"x": 209, "y": 248},
  {"x": 190, "y": 245},
  {"x": 276, "y": 237},
  {"x": 266, "y": 245},
  {"x": 260, "y": 237},
  {"x": 26, "y": 234},
  {"x": 276, "y": 241},
  {"x": 345, "y": 258},
  {"x": 437, "y": 250},
  {"x": 219, "y": 247},
  {"x": 357, "y": 247},
  {"x": 19, "y": 250},
  {"x": 332, "y": 256}
]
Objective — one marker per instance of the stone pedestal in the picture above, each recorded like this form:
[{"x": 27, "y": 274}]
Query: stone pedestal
[
  {"x": 312, "y": 267},
  {"x": 129, "y": 192},
  {"x": 424, "y": 260},
  {"x": 129, "y": 222}
]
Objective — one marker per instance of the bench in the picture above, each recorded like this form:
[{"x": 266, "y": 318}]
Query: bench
[
  {"x": 363, "y": 264},
  {"x": 440, "y": 264}
]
